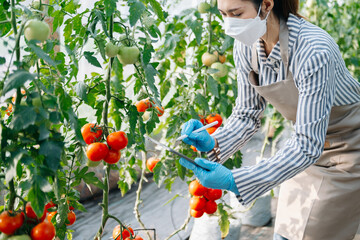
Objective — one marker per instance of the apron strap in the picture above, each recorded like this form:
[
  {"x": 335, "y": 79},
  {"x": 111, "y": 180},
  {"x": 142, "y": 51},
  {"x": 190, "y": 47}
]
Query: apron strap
[{"x": 254, "y": 59}]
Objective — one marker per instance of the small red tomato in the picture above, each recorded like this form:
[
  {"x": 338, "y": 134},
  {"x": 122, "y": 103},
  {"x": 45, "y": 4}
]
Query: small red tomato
[
  {"x": 117, "y": 140},
  {"x": 91, "y": 133},
  {"x": 113, "y": 156},
  {"x": 213, "y": 194},
  {"x": 9, "y": 222},
  {"x": 43, "y": 231},
  {"x": 151, "y": 163},
  {"x": 196, "y": 214},
  {"x": 97, "y": 151},
  {"x": 196, "y": 189},
  {"x": 214, "y": 117},
  {"x": 210, "y": 207},
  {"x": 197, "y": 203}
]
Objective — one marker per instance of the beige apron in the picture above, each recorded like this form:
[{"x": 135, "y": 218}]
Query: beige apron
[{"x": 322, "y": 202}]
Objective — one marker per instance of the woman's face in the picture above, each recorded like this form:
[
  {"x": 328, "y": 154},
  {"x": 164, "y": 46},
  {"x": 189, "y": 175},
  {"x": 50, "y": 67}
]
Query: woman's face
[{"x": 237, "y": 9}]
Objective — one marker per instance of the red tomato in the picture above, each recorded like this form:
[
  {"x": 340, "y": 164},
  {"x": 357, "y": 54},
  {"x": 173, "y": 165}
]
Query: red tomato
[
  {"x": 43, "y": 231},
  {"x": 50, "y": 216},
  {"x": 31, "y": 214},
  {"x": 210, "y": 207},
  {"x": 91, "y": 133},
  {"x": 197, "y": 203},
  {"x": 151, "y": 163},
  {"x": 117, "y": 140},
  {"x": 125, "y": 233},
  {"x": 196, "y": 214},
  {"x": 9, "y": 222},
  {"x": 97, "y": 151},
  {"x": 202, "y": 119},
  {"x": 196, "y": 189},
  {"x": 50, "y": 205},
  {"x": 161, "y": 111},
  {"x": 213, "y": 194},
  {"x": 211, "y": 130},
  {"x": 214, "y": 117},
  {"x": 113, "y": 156},
  {"x": 193, "y": 148},
  {"x": 71, "y": 217},
  {"x": 143, "y": 105}
]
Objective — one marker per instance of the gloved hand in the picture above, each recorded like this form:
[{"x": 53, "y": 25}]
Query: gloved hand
[
  {"x": 217, "y": 176},
  {"x": 201, "y": 140}
]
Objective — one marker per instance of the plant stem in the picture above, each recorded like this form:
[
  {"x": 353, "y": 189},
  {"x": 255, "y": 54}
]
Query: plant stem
[
  {"x": 105, "y": 201},
  {"x": 182, "y": 227},
  {"x": 138, "y": 200}
]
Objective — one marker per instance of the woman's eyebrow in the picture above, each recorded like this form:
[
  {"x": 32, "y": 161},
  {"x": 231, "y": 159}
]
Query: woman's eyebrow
[{"x": 230, "y": 10}]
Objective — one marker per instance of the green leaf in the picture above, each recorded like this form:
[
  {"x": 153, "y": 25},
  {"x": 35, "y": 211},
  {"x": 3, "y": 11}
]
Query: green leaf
[
  {"x": 202, "y": 102},
  {"x": 228, "y": 43},
  {"x": 100, "y": 16},
  {"x": 81, "y": 90},
  {"x": 224, "y": 222},
  {"x": 16, "y": 80},
  {"x": 44, "y": 132},
  {"x": 157, "y": 9},
  {"x": 11, "y": 171},
  {"x": 91, "y": 59},
  {"x": 136, "y": 10},
  {"x": 197, "y": 28},
  {"x": 40, "y": 53},
  {"x": 181, "y": 170},
  {"x": 37, "y": 199},
  {"x": 52, "y": 151},
  {"x": 212, "y": 85},
  {"x": 164, "y": 89},
  {"x": 90, "y": 178},
  {"x": 19, "y": 121},
  {"x": 2, "y": 60},
  {"x": 110, "y": 7},
  {"x": 146, "y": 55},
  {"x": 150, "y": 73}
]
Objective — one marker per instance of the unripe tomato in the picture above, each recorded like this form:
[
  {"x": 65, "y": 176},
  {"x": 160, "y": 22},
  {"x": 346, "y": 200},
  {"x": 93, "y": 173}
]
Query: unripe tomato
[
  {"x": 113, "y": 156},
  {"x": 214, "y": 117},
  {"x": 151, "y": 163},
  {"x": 43, "y": 231},
  {"x": 9, "y": 223},
  {"x": 196, "y": 189},
  {"x": 3, "y": 236},
  {"x": 111, "y": 50},
  {"x": 211, "y": 130},
  {"x": 91, "y": 133},
  {"x": 125, "y": 233},
  {"x": 128, "y": 55},
  {"x": 203, "y": 7},
  {"x": 36, "y": 5},
  {"x": 210, "y": 207},
  {"x": 146, "y": 116},
  {"x": 196, "y": 214},
  {"x": 208, "y": 59},
  {"x": 213, "y": 194},
  {"x": 38, "y": 30},
  {"x": 197, "y": 203},
  {"x": 117, "y": 140},
  {"x": 71, "y": 217},
  {"x": 20, "y": 237},
  {"x": 31, "y": 214},
  {"x": 90, "y": 163},
  {"x": 97, "y": 151},
  {"x": 222, "y": 70}
]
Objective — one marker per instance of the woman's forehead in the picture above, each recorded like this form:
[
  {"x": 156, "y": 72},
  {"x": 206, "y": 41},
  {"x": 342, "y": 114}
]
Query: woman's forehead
[{"x": 229, "y": 5}]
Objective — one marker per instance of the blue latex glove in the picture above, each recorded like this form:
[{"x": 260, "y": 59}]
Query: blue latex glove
[
  {"x": 201, "y": 140},
  {"x": 217, "y": 176}
]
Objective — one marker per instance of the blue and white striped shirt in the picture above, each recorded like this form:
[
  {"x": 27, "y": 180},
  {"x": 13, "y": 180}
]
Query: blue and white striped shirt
[{"x": 322, "y": 80}]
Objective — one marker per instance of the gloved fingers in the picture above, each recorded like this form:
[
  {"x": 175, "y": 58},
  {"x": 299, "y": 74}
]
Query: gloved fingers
[
  {"x": 206, "y": 163},
  {"x": 189, "y": 141},
  {"x": 190, "y": 126},
  {"x": 187, "y": 164},
  {"x": 200, "y": 136}
]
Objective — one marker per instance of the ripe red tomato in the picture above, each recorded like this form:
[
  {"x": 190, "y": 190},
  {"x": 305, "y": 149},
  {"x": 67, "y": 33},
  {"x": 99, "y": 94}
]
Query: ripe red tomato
[
  {"x": 31, "y": 214},
  {"x": 43, "y": 231},
  {"x": 202, "y": 119},
  {"x": 91, "y": 133},
  {"x": 97, "y": 151},
  {"x": 143, "y": 105},
  {"x": 151, "y": 163},
  {"x": 196, "y": 214},
  {"x": 196, "y": 189},
  {"x": 214, "y": 117},
  {"x": 211, "y": 130},
  {"x": 213, "y": 194},
  {"x": 117, "y": 140},
  {"x": 71, "y": 217},
  {"x": 9, "y": 222},
  {"x": 113, "y": 156},
  {"x": 210, "y": 207},
  {"x": 197, "y": 203},
  {"x": 161, "y": 111},
  {"x": 50, "y": 216},
  {"x": 49, "y": 205},
  {"x": 125, "y": 233}
]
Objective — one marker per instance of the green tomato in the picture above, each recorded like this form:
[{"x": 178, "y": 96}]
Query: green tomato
[
  {"x": 148, "y": 21},
  {"x": 38, "y": 30},
  {"x": 213, "y": 3},
  {"x": 222, "y": 70},
  {"x": 204, "y": 7},
  {"x": 3, "y": 236},
  {"x": 92, "y": 163},
  {"x": 36, "y": 102},
  {"x": 19, "y": 237},
  {"x": 111, "y": 50},
  {"x": 36, "y": 5},
  {"x": 128, "y": 55}
]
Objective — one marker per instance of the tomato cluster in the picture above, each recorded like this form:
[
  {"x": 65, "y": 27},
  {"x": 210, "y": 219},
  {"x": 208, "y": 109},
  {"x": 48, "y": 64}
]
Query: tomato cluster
[
  {"x": 203, "y": 199},
  {"x": 209, "y": 119},
  {"x": 97, "y": 151},
  {"x": 10, "y": 223},
  {"x": 145, "y": 104},
  {"x": 126, "y": 234}
]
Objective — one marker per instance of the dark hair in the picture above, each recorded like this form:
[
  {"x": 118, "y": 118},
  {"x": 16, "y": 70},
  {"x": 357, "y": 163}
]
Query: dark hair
[{"x": 282, "y": 8}]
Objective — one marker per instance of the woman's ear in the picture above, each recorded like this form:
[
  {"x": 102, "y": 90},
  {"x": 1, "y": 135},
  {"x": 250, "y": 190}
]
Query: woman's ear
[{"x": 267, "y": 6}]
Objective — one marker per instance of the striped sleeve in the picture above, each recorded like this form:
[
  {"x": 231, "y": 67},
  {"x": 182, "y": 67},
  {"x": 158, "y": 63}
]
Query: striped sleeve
[
  {"x": 245, "y": 118},
  {"x": 315, "y": 81}
]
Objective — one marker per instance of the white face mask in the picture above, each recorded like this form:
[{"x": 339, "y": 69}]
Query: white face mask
[{"x": 246, "y": 31}]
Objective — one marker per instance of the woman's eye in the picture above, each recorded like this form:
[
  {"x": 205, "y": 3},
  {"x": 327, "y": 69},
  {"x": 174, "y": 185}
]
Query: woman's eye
[{"x": 237, "y": 15}]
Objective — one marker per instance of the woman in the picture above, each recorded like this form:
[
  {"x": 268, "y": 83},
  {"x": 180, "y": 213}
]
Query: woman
[{"x": 297, "y": 67}]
